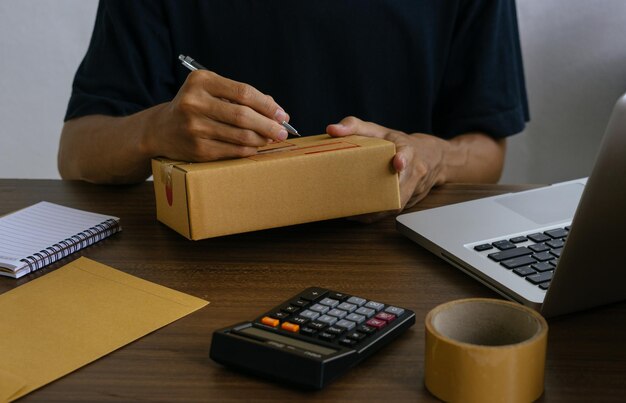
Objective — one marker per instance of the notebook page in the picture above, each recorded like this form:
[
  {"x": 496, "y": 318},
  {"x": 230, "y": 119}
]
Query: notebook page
[{"x": 40, "y": 226}]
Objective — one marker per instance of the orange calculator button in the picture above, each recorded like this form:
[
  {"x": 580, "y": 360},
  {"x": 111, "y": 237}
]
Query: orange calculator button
[
  {"x": 290, "y": 327},
  {"x": 270, "y": 321}
]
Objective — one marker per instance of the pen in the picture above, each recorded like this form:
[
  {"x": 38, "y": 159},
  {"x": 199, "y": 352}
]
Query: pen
[{"x": 193, "y": 65}]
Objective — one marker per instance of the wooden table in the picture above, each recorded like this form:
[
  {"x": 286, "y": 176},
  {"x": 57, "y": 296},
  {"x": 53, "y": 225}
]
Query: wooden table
[{"x": 245, "y": 275}]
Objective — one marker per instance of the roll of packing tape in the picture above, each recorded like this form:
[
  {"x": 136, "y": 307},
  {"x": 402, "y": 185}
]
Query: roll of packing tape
[{"x": 485, "y": 350}]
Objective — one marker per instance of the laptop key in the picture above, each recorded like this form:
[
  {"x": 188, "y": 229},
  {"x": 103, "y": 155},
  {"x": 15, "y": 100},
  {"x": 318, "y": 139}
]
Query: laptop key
[
  {"x": 503, "y": 244},
  {"x": 544, "y": 286},
  {"x": 540, "y": 277},
  {"x": 556, "y": 233},
  {"x": 538, "y": 237},
  {"x": 556, "y": 252},
  {"x": 542, "y": 266},
  {"x": 543, "y": 256},
  {"x": 518, "y": 239},
  {"x": 524, "y": 271},
  {"x": 539, "y": 247},
  {"x": 555, "y": 243},
  {"x": 518, "y": 262},
  {"x": 509, "y": 254},
  {"x": 482, "y": 247}
]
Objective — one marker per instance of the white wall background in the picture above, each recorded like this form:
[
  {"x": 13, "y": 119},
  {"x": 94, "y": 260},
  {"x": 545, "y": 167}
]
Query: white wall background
[
  {"x": 574, "y": 53},
  {"x": 41, "y": 44},
  {"x": 575, "y": 63}
]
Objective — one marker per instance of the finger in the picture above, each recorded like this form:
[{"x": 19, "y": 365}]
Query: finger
[
  {"x": 211, "y": 150},
  {"x": 214, "y": 130},
  {"x": 352, "y": 125},
  {"x": 243, "y": 117},
  {"x": 243, "y": 94},
  {"x": 399, "y": 161}
]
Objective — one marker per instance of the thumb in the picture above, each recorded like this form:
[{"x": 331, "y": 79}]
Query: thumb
[
  {"x": 399, "y": 161},
  {"x": 345, "y": 127}
]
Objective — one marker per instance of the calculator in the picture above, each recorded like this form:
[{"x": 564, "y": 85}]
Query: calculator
[{"x": 312, "y": 338}]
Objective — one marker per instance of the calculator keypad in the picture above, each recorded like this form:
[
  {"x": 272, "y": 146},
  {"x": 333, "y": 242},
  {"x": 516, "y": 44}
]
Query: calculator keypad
[{"x": 331, "y": 316}]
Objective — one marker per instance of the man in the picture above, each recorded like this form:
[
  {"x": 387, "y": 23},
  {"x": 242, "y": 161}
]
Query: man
[{"x": 443, "y": 80}]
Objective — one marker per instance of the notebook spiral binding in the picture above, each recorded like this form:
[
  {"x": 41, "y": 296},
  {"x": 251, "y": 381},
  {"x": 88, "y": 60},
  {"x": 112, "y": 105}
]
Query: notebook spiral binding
[{"x": 70, "y": 245}]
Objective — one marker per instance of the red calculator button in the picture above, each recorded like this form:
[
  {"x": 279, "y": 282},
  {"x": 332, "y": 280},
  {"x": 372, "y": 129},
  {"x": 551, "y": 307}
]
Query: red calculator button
[
  {"x": 270, "y": 321},
  {"x": 387, "y": 317},
  {"x": 376, "y": 323},
  {"x": 290, "y": 327}
]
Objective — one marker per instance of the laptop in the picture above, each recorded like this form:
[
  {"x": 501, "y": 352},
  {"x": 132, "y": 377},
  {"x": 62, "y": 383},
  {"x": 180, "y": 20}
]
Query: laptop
[{"x": 557, "y": 249}]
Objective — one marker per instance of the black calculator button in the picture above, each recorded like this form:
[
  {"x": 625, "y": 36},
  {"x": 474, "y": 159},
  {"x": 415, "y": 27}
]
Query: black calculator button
[
  {"x": 335, "y": 330},
  {"x": 387, "y": 317},
  {"x": 338, "y": 296},
  {"x": 347, "y": 342},
  {"x": 300, "y": 302},
  {"x": 355, "y": 336},
  {"x": 279, "y": 315},
  {"x": 313, "y": 294},
  {"x": 291, "y": 309},
  {"x": 327, "y": 336},
  {"x": 307, "y": 331},
  {"x": 317, "y": 325},
  {"x": 366, "y": 329},
  {"x": 299, "y": 320}
]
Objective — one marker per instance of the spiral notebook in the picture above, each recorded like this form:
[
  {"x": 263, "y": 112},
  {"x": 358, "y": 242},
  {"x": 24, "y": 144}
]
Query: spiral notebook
[{"x": 43, "y": 233}]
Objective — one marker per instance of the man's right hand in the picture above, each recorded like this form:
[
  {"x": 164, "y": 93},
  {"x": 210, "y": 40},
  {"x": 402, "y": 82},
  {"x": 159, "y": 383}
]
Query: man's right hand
[
  {"x": 210, "y": 118},
  {"x": 213, "y": 117}
]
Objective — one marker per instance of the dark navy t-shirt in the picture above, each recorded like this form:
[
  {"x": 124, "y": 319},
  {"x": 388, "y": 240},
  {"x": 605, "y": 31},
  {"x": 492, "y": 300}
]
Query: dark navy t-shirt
[{"x": 444, "y": 67}]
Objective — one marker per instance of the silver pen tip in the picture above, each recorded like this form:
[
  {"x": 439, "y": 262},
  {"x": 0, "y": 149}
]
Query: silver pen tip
[{"x": 290, "y": 129}]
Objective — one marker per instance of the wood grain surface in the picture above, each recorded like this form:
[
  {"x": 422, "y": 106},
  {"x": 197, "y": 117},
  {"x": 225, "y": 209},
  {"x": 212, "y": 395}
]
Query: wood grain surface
[{"x": 244, "y": 275}]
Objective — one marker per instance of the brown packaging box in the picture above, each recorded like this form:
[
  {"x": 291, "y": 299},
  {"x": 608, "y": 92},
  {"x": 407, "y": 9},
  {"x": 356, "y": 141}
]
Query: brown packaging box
[{"x": 296, "y": 181}]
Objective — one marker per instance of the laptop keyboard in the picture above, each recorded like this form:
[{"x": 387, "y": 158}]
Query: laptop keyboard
[{"x": 532, "y": 257}]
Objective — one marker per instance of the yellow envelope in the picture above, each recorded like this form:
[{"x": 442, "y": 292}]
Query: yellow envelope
[{"x": 72, "y": 316}]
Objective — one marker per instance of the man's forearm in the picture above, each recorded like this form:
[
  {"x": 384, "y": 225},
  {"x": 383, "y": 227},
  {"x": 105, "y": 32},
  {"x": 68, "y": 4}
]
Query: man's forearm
[
  {"x": 474, "y": 157},
  {"x": 106, "y": 149}
]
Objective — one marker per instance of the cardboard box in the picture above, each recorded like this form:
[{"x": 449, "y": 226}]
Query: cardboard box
[{"x": 296, "y": 181}]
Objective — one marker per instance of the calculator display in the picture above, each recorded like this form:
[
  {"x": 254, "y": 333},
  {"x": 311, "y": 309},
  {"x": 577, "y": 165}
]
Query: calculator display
[{"x": 287, "y": 340}]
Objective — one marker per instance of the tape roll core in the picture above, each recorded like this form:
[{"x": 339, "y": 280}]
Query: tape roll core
[{"x": 485, "y": 350}]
